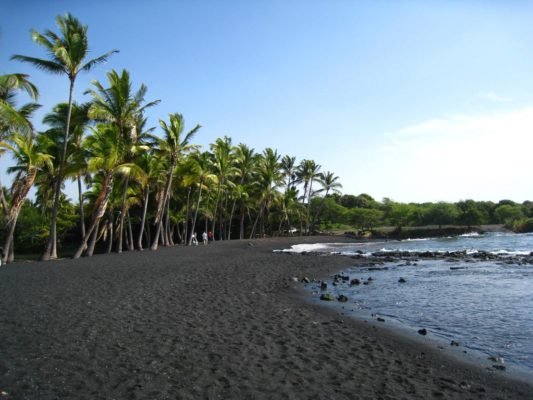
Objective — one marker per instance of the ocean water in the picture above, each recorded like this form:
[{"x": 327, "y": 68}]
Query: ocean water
[{"x": 485, "y": 306}]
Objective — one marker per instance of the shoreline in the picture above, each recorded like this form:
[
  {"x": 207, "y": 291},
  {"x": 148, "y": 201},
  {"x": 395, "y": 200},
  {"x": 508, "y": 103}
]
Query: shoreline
[{"x": 221, "y": 321}]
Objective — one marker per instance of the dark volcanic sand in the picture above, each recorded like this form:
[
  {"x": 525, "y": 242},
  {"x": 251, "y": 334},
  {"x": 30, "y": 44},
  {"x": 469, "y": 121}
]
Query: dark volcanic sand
[{"x": 216, "y": 322}]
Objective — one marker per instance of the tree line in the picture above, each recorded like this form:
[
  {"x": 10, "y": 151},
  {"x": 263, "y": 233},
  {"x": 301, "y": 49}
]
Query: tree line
[
  {"x": 136, "y": 189},
  {"x": 365, "y": 214}
]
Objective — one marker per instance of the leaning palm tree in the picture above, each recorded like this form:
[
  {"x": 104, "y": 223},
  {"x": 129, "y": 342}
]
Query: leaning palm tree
[
  {"x": 104, "y": 158},
  {"x": 172, "y": 146},
  {"x": 29, "y": 160},
  {"x": 68, "y": 52},
  {"x": 119, "y": 105},
  {"x": 13, "y": 119}
]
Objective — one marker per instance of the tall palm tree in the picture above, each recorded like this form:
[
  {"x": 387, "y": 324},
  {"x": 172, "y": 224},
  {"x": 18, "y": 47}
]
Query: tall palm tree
[
  {"x": 245, "y": 160},
  {"x": 74, "y": 166},
  {"x": 173, "y": 145},
  {"x": 68, "y": 51},
  {"x": 199, "y": 165},
  {"x": 224, "y": 168},
  {"x": 121, "y": 106},
  {"x": 269, "y": 179},
  {"x": 29, "y": 160},
  {"x": 288, "y": 166},
  {"x": 308, "y": 172}
]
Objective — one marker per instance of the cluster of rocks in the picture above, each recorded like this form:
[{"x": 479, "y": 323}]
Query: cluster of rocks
[{"x": 410, "y": 257}]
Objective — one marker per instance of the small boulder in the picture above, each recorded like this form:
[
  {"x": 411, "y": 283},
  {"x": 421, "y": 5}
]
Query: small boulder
[
  {"x": 306, "y": 280},
  {"x": 323, "y": 285},
  {"x": 327, "y": 297},
  {"x": 355, "y": 281},
  {"x": 402, "y": 280},
  {"x": 342, "y": 298},
  {"x": 381, "y": 319},
  {"x": 454, "y": 343},
  {"x": 422, "y": 332}
]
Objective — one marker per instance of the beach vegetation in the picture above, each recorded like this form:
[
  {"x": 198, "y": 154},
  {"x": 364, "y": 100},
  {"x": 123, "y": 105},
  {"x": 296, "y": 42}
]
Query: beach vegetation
[{"x": 141, "y": 187}]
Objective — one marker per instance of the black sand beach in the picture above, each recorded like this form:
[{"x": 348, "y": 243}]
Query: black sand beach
[{"x": 224, "y": 321}]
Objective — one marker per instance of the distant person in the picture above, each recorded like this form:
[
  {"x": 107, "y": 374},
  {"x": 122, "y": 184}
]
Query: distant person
[
  {"x": 204, "y": 238},
  {"x": 210, "y": 236},
  {"x": 1, "y": 255},
  {"x": 194, "y": 240}
]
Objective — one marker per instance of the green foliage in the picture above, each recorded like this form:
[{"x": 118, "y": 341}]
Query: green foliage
[
  {"x": 508, "y": 213},
  {"x": 364, "y": 218},
  {"x": 523, "y": 225}
]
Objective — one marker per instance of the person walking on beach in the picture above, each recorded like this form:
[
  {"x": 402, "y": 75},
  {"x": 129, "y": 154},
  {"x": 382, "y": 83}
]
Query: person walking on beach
[
  {"x": 204, "y": 238},
  {"x": 194, "y": 240},
  {"x": 210, "y": 236}
]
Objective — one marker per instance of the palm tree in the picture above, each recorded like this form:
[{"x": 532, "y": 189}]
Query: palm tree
[
  {"x": 29, "y": 160},
  {"x": 224, "y": 168},
  {"x": 308, "y": 172},
  {"x": 173, "y": 145},
  {"x": 120, "y": 106},
  {"x": 11, "y": 117},
  {"x": 104, "y": 158},
  {"x": 288, "y": 166},
  {"x": 199, "y": 164},
  {"x": 68, "y": 52},
  {"x": 329, "y": 183},
  {"x": 268, "y": 181},
  {"x": 75, "y": 164},
  {"x": 245, "y": 164}
]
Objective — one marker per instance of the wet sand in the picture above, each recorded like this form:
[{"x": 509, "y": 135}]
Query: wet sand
[{"x": 224, "y": 321}]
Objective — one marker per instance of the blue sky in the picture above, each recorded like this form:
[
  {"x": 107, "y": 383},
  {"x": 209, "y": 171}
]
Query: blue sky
[{"x": 412, "y": 100}]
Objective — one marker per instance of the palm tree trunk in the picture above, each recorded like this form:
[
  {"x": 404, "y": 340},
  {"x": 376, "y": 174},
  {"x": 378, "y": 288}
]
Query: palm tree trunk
[
  {"x": 259, "y": 215},
  {"x": 92, "y": 241},
  {"x": 51, "y": 248},
  {"x": 3, "y": 201},
  {"x": 241, "y": 224},
  {"x": 80, "y": 199},
  {"x": 160, "y": 209},
  {"x": 111, "y": 229},
  {"x": 213, "y": 224},
  {"x": 186, "y": 225},
  {"x": 122, "y": 214},
  {"x": 196, "y": 212},
  {"x": 143, "y": 220},
  {"x": 16, "y": 205},
  {"x": 231, "y": 218},
  {"x": 170, "y": 241},
  {"x": 100, "y": 208},
  {"x": 131, "y": 246}
]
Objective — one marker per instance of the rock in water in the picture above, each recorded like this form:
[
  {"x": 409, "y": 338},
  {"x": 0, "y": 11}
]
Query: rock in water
[
  {"x": 402, "y": 280},
  {"x": 323, "y": 285},
  {"x": 342, "y": 298},
  {"x": 327, "y": 297},
  {"x": 355, "y": 281},
  {"x": 422, "y": 331}
]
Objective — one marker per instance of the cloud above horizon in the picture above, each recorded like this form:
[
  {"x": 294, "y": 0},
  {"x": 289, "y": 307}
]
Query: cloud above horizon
[{"x": 486, "y": 157}]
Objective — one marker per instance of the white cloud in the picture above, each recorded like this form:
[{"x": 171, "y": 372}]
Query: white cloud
[
  {"x": 491, "y": 96},
  {"x": 485, "y": 157}
]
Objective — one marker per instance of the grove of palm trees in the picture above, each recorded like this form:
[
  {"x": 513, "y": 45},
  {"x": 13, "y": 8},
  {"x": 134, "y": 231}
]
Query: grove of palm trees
[{"x": 138, "y": 187}]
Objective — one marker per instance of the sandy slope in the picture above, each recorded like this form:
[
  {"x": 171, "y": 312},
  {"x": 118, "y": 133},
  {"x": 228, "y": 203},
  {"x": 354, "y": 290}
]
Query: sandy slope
[{"x": 218, "y": 322}]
